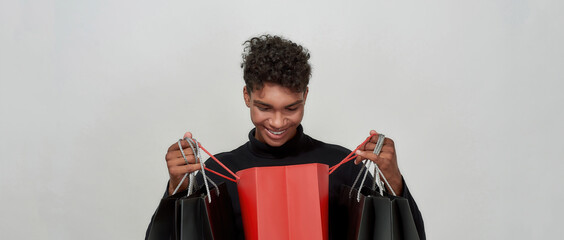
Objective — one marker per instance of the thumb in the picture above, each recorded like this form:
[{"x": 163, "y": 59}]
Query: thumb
[
  {"x": 188, "y": 135},
  {"x": 360, "y": 155}
]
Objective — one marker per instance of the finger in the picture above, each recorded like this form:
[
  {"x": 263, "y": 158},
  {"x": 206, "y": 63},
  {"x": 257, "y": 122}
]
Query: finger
[
  {"x": 369, "y": 146},
  {"x": 188, "y": 135},
  {"x": 190, "y": 159},
  {"x": 180, "y": 161},
  {"x": 175, "y": 162},
  {"x": 177, "y": 153},
  {"x": 389, "y": 142},
  {"x": 375, "y": 137},
  {"x": 365, "y": 155},
  {"x": 362, "y": 147},
  {"x": 175, "y": 147},
  {"x": 387, "y": 149},
  {"x": 372, "y": 140},
  {"x": 358, "y": 160},
  {"x": 183, "y": 143},
  {"x": 180, "y": 170}
]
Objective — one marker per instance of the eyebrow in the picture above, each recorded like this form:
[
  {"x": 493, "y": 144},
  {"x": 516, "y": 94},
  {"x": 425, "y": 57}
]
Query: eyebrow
[{"x": 268, "y": 105}]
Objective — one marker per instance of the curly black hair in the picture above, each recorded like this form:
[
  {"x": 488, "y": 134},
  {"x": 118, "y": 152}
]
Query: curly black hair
[{"x": 276, "y": 60}]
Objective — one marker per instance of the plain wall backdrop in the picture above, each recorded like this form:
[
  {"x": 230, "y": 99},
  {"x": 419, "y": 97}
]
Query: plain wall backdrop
[{"x": 92, "y": 93}]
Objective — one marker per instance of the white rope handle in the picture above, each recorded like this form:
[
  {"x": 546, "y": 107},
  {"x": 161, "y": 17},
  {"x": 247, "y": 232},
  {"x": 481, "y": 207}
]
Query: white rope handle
[
  {"x": 191, "y": 184},
  {"x": 215, "y": 185},
  {"x": 367, "y": 162},
  {"x": 358, "y": 177},
  {"x": 379, "y": 144},
  {"x": 377, "y": 150},
  {"x": 180, "y": 184},
  {"x": 185, "y": 175},
  {"x": 199, "y": 159},
  {"x": 385, "y": 180},
  {"x": 377, "y": 171},
  {"x": 377, "y": 182},
  {"x": 194, "y": 145},
  {"x": 378, "y": 175}
]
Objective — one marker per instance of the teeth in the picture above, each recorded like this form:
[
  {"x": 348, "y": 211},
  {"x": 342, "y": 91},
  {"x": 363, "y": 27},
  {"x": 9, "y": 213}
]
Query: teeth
[{"x": 276, "y": 133}]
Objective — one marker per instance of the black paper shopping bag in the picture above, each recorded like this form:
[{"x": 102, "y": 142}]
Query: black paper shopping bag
[
  {"x": 403, "y": 222},
  {"x": 162, "y": 226},
  {"x": 369, "y": 216},
  {"x": 359, "y": 211},
  {"x": 376, "y": 214},
  {"x": 199, "y": 218},
  {"x": 372, "y": 216}
]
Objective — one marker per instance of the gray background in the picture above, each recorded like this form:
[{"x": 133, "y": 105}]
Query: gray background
[{"x": 92, "y": 93}]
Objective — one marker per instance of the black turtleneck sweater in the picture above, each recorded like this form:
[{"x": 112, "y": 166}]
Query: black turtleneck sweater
[{"x": 301, "y": 149}]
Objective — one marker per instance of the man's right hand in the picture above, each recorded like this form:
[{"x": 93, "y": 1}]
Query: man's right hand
[{"x": 177, "y": 167}]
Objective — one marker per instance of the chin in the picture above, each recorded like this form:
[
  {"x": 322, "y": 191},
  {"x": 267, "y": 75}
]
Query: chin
[{"x": 275, "y": 144}]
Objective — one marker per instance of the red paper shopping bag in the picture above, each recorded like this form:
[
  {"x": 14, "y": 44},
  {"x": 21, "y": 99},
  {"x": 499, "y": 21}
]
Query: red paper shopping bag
[{"x": 285, "y": 202}]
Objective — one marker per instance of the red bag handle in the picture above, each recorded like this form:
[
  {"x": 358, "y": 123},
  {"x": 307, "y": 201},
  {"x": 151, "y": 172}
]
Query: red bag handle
[
  {"x": 220, "y": 164},
  {"x": 349, "y": 157}
]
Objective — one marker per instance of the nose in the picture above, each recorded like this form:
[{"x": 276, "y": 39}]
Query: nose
[{"x": 277, "y": 121}]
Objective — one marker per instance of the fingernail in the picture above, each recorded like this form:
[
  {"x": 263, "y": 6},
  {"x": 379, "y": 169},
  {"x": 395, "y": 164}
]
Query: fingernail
[{"x": 358, "y": 152}]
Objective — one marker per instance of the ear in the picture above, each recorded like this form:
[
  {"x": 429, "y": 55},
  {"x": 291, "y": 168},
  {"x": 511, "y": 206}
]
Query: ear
[
  {"x": 305, "y": 94},
  {"x": 247, "y": 96}
]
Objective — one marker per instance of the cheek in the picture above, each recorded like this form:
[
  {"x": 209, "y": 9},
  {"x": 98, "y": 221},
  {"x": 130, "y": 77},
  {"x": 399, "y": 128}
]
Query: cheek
[
  {"x": 297, "y": 116},
  {"x": 258, "y": 116}
]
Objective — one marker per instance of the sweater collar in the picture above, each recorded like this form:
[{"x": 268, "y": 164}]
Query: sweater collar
[{"x": 264, "y": 150}]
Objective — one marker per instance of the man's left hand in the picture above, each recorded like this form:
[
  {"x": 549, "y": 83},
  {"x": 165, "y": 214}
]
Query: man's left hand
[{"x": 386, "y": 160}]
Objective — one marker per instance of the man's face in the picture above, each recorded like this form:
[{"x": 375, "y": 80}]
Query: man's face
[{"x": 276, "y": 112}]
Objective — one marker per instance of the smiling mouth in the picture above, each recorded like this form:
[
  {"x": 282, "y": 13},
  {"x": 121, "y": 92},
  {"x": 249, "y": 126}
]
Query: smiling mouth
[{"x": 276, "y": 133}]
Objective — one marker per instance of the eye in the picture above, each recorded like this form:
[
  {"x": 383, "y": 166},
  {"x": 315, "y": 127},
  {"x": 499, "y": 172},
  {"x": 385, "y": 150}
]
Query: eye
[
  {"x": 292, "y": 109},
  {"x": 260, "y": 108}
]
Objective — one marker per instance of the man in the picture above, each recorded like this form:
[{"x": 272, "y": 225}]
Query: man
[{"x": 276, "y": 74}]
